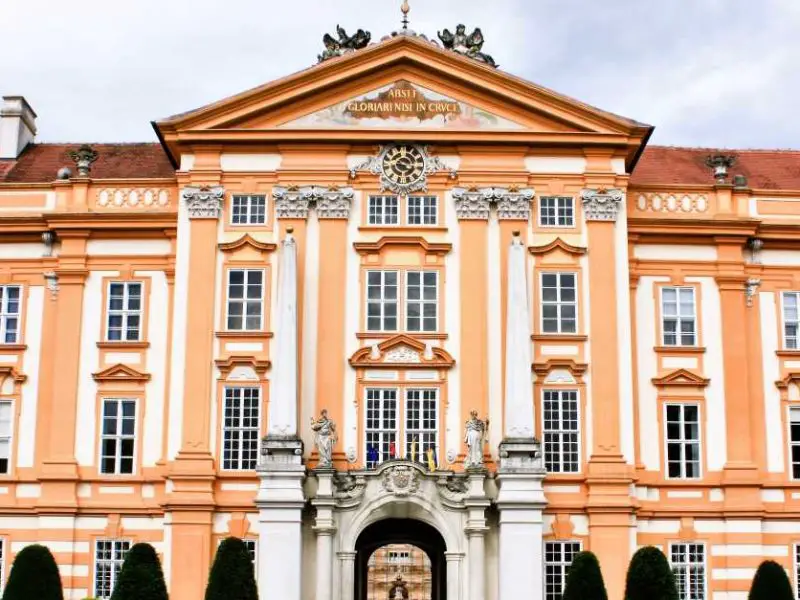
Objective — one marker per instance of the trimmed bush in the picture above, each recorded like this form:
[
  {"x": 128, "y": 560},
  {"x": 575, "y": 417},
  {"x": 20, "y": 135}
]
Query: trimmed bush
[
  {"x": 34, "y": 574},
  {"x": 141, "y": 577},
  {"x": 650, "y": 577},
  {"x": 770, "y": 583},
  {"x": 232, "y": 576},
  {"x": 584, "y": 579}
]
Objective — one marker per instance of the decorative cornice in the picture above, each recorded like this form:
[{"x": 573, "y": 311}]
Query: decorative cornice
[
  {"x": 203, "y": 202},
  {"x": 601, "y": 204},
  {"x": 120, "y": 372},
  {"x": 680, "y": 378},
  {"x": 10, "y": 371},
  {"x": 475, "y": 203},
  {"x": 394, "y": 241},
  {"x": 247, "y": 240},
  {"x": 226, "y": 365},
  {"x": 542, "y": 369},
  {"x": 790, "y": 378},
  {"x": 401, "y": 351},
  {"x": 294, "y": 202},
  {"x": 559, "y": 244}
]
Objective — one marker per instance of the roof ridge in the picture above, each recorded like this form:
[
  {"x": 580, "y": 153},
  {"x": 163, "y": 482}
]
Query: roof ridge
[{"x": 718, "y": 148}]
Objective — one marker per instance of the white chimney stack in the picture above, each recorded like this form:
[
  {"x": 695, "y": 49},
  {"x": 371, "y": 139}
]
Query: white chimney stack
[{"x": 17, "y": 126}]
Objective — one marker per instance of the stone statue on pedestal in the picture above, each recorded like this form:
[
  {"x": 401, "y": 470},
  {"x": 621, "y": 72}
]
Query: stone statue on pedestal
[
  {"x": 399, "y": 590},
  {"x": 476, "y": 430},
  {"x": 325, "y": 438}
]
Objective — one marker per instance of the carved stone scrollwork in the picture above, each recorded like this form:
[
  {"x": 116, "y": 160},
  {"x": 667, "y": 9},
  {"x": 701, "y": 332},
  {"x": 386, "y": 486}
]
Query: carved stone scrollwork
[
  {"x": 472, "y": 204},
  {"x": 751, "y": 289},
  {"x": 349, "y": 489},
  {"x": 514, "y": 204},
  {"x": 335, "y": 203},
  {"x": 400, "y": 480},
  {"x": 294, "y": 202},
  {"x": 203, "y": 202},
  {"x": 51, "y": 281},
  {"x": 602, "y": 205},
  {"x": 452, "y": 490},
  {"x": 511, "y": 203}
]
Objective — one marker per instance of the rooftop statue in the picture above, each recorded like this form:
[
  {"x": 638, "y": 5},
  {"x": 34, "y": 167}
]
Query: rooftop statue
[
  {"x": 468, "y": 45},
  {"x": 344, "y": 44}
]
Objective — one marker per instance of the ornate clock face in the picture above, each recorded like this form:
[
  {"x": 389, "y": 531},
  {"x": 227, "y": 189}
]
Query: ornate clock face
[{"x": 403, "y": 165}]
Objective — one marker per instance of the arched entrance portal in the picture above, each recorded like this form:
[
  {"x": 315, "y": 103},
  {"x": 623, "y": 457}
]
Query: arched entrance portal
[{"x": 406, "y": 532}]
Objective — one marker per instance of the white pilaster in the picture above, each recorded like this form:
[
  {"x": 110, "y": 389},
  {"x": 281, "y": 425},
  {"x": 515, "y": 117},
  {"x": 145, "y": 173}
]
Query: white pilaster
[
  {"x": 347, "y": 571},
  {"x": 325, "y": 530},
  {"x": 476, "y": 504}
]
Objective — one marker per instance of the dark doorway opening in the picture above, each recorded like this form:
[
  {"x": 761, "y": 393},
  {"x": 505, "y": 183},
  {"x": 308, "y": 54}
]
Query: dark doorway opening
[{"x": 425, "y": 579}]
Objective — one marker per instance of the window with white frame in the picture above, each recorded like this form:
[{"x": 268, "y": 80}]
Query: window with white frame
[
  {"x": 421, "y": 300},
  {"x": 124, "y": 311},
  {"x": 245, "y": 299},
  {"x": 118, "y": 436},
  {"x": 678, "y": 316},
  {"x": 794, "y": 441},
  {"x": 383, "y": 210},
  {"x": 382, "y": 300},
  {"x": 688, "y": 562},
  {"x": 556, "y": 211},
  {"x": 561, "y": 431},
  {"x": 558, "y": 556},
  {"x": 682, "y": 423},
  {"x": 381, "y": 425},
  {"x": 398, "y": 557},
  {"x": 240, "y": 428},
  {"x": 422, "y": 422},
  {"x": 6, "y": 425},
  {"x": 559, "y": 303},
  {"x": 422, "y": 210},
  {"x": 108, "y": 558},
  {"x": 250, "y": 209},
  {"x": 10, "y": 299},
  {"x": 791, "y": 319}
]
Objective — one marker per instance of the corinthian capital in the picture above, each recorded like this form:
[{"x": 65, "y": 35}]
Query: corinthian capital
[
  {"x": 514, "y": 204},
  {"x": 203, "y": 202},
  {"x": 473, "y": 204},
  {"x": 291, "y": 203},
  {"x": 335, "y": 203},
  {"x": 602, "y": 205}
]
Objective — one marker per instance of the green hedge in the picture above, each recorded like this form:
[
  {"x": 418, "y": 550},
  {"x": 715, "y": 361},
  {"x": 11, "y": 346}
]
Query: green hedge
[
  {"x": 141, "y": 577},
  {"x": 232, "y": 576},
  {"x": 650, "y": 576},
  {"x": 584, "y": 579},
  {"x": 34, "y": 574}
]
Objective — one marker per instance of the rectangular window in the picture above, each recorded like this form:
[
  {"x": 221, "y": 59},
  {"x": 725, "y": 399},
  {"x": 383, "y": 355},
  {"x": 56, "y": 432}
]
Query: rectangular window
[
  {"x": 381, "y": 426},
  {"x": 382, "y": 299},
  {"x": 558, "y": 557},
  {"x": 421, "y": 300},
  {"x": 794, "y": 441},
  {"x": 6, "y": 423},
  {"x": 422, "y": 424},
  {"x": 683, "y": 441},
  {"x": 248, "y": 209},
  {"x": 791, "y": 319},
  {"x": 559, "y": 303},
  {"x": 556, "y": 211},
  {"x": 688, "y": 562},
  {"x": 561, "y": 431},
  {"x": 678, "y": 316},
  {"x": 9, "y": 313},
  {"x": 124, "y": 311},
  {"x": 240, "y": 428},
  {"x": 422, "y": 210},
  {"x": 245, "y": 299},
  {"x": 108, "y": 558},
  {"x": 118, "y": 437},
  {"x": 397, "y": 557},
  {"x": 383, "y": 210}
]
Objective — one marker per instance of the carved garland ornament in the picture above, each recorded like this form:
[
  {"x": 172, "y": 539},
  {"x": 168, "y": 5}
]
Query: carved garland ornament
[
  {"x": 203, "y": 202},
  {"x": 400, "y": 480}
]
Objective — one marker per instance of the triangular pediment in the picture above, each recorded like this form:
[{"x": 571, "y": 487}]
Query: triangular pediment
[
  {"x": 120, "y": 372},
  {"x": 401, "y": 351},
  {"x": 680, "y": 377}
]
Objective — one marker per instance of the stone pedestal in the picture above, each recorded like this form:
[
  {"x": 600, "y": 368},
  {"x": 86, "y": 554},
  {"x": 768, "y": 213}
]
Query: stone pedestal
[
  {"x": 324, "y": 528},
  {"x": 521, "y": 502},
  {"x": 476, "y": 504},
  {"x": 280, "y": 502}
]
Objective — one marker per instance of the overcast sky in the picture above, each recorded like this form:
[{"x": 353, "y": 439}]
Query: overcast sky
[{"x": 705, "y": 72}]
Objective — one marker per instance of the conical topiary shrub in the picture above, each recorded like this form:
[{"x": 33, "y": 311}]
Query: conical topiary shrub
[
  {"x": 650, "y": 577},
  {"x": 584, "y": 579},
  {"x": 232, "y": 576},
  {"x": 770, "y": 583},
  {"x": 34, "y": 574},
  {"x": 141, "y": 577}
]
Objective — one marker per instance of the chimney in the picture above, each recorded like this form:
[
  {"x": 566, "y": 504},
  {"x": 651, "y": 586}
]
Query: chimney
[{"x": 17, "y": 126}]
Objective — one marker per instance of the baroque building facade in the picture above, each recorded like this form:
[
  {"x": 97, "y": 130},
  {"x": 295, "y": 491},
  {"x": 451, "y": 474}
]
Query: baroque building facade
[{"x": 401, "y": 235}]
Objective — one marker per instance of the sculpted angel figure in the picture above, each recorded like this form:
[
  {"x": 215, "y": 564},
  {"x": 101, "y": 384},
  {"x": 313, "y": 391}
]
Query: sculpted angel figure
[
  {"x": 325, "y": 437},
  {"x": 474, "y": 437},
  {"x": 469, "y": 45},
  {"x": 345, "y": 43}
]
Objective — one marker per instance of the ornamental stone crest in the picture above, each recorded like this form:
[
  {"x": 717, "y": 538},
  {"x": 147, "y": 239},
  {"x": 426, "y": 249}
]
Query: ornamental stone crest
[
  {"x": 203, "y": 202},
  {"x": 401, "y": 354},
  {"x": 602, "y": 205},
  {"x": 343, "y": 43},
  {"x": 468, "y": 45},
  {"x": 400, "y": 480},
  {"x": 83, "y": 158},
  {"x": 294, "y": 202}
]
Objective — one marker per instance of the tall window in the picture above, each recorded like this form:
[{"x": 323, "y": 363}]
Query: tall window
[
  {"x": 556, "y": 211},
  {"x": 108, "y": 558},
  {"x": 559, "y": 303},
  {"x": 124, "y": 311},
  {"x": 9, "y": 313},
  {"x": 382, "y": 299},
  {"x": 6, "y": 424},
  {"x": 249, "y": 210},
  {"x": 421, "y": 300},
  {"x": 678, "y": 316},
  {"x": 383, "y": 210},
  {"x": 381, "y": 425},
  {"x": 422, "y": 210},
  {"x": 794, "y": 441},
  {"x": 683, "y": 441},
  {"x": 688, "y": 562},
  {"x": 561, "y": 431},
  {"x": 245, "y": 299},
  {"x": 422, "y": 423},
  {"x": 240, "y": 428},
  {"x": 118, "y": 437},
  {"x": 558, "y": 557},
  {"x": 791, "y": 319}
]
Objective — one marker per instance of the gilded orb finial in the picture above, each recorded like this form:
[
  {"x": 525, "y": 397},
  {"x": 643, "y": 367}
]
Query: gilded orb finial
[{"x": 405, "y": 8}]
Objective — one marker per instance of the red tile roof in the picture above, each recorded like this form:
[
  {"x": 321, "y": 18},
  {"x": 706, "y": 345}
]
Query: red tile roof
[
  {"x": 764, "y": 169},
  {"x": 41, "y": 162}
]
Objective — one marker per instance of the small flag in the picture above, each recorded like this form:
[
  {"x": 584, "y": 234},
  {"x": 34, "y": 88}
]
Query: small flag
[
  {"x": 392, "y": 450},
  {"x": 431, "y": 459},
  {"x": 414, "y": 449},
  {"x": 372, "y": 455}
]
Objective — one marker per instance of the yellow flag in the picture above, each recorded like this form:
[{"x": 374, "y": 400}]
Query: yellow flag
[
  {"x": 431, "y": 460},
  {"x": 414, "y": 449}
]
